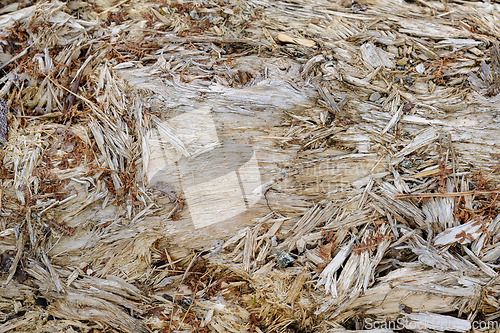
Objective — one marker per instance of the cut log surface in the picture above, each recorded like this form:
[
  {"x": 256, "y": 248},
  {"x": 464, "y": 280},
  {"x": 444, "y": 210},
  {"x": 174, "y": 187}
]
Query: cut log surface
[{"x": 235, "y": 155}]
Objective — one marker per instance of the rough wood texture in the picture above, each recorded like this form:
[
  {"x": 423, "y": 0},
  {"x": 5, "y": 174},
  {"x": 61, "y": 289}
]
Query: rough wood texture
[{"x": 243, "y": 166}]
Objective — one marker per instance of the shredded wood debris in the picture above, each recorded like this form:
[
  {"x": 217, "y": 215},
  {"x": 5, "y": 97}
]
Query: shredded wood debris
[{"x": 362, "y": 137}]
